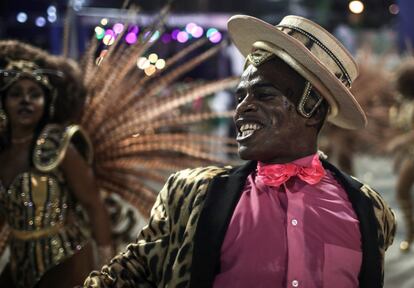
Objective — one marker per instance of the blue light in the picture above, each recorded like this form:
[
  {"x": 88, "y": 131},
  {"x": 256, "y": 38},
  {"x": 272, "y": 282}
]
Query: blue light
[
  {"x": 78, "y": 4},
  {"x": 210, "y": 32},
  {"x": 52, "y": 18},
  {"x": 51, "y": 10},
  {"x": 40, "y": 21},
  {"x": 21, "y": 17}
]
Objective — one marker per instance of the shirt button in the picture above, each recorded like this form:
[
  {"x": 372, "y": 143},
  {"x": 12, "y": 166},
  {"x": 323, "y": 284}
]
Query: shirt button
[
  {"x": 294, "y": 223},
  {"x": 295, "y": 283}
]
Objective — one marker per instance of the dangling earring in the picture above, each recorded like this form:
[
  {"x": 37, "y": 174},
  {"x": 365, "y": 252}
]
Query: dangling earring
[
  {"x": 3, "y": 120},
  {"x": 52, "y": 105},
  {"x": 51, "y": 111}
]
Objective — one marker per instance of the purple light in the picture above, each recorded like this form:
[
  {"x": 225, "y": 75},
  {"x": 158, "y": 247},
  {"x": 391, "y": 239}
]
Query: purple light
[
  {"x": 174, "y": 33},
  {"x": 110, "y": 32},
  {"x": 146, "y": 34},
  {"x": 118, "y": 28},
  {"x": 182, "y": 37},
  {"x": 216, "y": 37},
  {"x": 166, "y": 38},
  {"x": 190, "y": 27},
  {"x": 197, "y": 32},
  {"x": 133, "y": 29},
  {"x": 131, "y": 38}
]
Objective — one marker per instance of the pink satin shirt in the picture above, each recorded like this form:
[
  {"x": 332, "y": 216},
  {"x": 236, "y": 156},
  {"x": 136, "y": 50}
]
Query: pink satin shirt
[{"x": 294, "y": 235}]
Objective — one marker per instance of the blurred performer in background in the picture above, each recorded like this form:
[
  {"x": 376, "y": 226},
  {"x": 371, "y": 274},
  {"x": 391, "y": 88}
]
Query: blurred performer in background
[
  {"x": 402, "y": 118},
  {"x": 374, "y": 91},
  {"x": 47, "y": 183}
]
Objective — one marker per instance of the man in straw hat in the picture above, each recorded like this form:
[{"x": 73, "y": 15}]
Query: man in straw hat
[{"x": 287, "y": 218}]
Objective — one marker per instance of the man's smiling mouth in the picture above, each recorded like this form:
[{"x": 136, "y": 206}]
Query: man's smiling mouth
[{"x": 247, "y": 129}]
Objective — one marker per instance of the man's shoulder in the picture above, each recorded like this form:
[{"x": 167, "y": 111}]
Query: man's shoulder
[
  {"x": 369, "y": 192},
  {"x": 383, "y": 213},
  {"x": 193, "y": 175}
]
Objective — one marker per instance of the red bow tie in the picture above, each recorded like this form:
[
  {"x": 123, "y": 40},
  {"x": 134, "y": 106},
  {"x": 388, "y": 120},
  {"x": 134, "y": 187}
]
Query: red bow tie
[{"x": 277, "y": 174}]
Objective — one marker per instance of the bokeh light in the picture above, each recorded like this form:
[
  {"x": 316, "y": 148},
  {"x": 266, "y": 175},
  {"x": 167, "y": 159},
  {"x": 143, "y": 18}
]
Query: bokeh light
[
  {"x": 153, "y": 58},
  {"x": 21, "y": 17},
  {"x": 110, "y": 32},
  {"x": 51, "y": 10},
  {"x": 77, "y": 4},
  {"x": 131, "y": 38},
  {"x": 174, "y": 33},
  {"x": 104, "y": 21},
  {"x": 356, "y": 7},
  {"x": 182, "y": 37},
  {"x": 166, "y": 38},
  {"x": 108, "y": 40},
  {"x": 190, "y": 27},
  {"x": 143, "y": 63},
  {"x": 215, "y": 37},
  {"x": 133, "y": 29},
  {"x": 101, "y": 56},
  {"x": 100, "y": 32},
  {"x": 52, "y": 18},
  {"x": 155, "y": 36},
  {"x": 210, "y": 32},
  {"x": 197, "y": 32},
  {"x": 394, "y": 9},
  {"x": 160, "y": 64},
  {"x": 146, "y": 34},
  {"x": 40, "y": 21},
  {"x": 118, "y": 28},
  {"x": 150, "y": 70},
  {"x": 109, "y": 37}
]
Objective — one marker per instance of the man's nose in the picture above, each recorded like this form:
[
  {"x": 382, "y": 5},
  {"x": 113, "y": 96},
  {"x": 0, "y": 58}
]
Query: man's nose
[{"x": 247, "y": 105}]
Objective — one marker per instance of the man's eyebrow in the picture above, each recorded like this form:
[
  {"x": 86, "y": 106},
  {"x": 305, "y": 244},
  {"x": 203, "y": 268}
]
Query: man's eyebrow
[
  {"x": 264, "y": 85},
  {"x": 259, "y": 85}
]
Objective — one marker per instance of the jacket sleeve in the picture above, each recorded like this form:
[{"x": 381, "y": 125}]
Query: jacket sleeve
[
  {"x": 385, "y": 216},
  {"x": 141, "y": 264}
]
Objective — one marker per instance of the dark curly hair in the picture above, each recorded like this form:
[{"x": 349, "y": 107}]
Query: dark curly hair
[{"x": 70, "y": 90}]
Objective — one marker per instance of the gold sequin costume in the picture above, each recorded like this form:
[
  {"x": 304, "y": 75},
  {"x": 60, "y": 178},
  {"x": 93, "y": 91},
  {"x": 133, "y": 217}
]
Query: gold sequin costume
[{"x": 47, "y": 224}]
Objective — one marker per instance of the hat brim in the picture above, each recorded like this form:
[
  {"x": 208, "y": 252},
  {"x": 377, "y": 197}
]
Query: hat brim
[{"x": 245, "y": 31}]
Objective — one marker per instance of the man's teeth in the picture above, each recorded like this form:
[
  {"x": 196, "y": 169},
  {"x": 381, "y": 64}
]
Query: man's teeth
[
  {"x": 248, "y": 129},
  {"x": 247, "y": 133},
  {"x": 252, "y": 126}
]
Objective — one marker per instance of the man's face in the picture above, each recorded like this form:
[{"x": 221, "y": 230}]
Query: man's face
[{"x": 269, "y": 127}]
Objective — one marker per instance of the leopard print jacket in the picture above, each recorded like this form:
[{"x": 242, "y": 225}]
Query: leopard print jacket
[{"x": 163, "y": 253}]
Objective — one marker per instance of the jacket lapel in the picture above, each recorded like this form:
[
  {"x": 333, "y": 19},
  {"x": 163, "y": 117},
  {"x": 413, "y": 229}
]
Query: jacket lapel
[
  {"x": 222, "y": 196},
  {"x": 371, "y": 269}
]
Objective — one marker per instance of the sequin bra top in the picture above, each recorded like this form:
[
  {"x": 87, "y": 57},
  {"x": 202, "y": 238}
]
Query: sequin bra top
[{"x": 46, "y": 222}]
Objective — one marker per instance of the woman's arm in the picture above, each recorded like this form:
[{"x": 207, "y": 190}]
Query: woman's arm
[
  {"x": 81, "y": 182},
  {"x": 401, "y": 141}
]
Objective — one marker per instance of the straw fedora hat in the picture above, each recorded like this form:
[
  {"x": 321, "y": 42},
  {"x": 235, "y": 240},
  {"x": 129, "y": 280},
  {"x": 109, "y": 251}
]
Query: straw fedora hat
[{"x": 313, "y": 52}]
